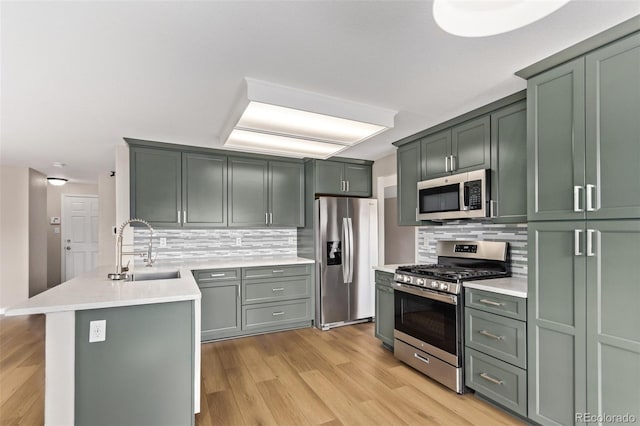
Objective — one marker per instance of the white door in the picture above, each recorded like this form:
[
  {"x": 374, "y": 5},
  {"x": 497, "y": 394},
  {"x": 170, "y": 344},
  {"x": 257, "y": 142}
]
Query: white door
[{"x": 79, "y": 235}]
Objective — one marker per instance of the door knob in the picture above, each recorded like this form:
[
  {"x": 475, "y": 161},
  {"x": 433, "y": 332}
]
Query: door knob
[{"x": 68, "y": 247}]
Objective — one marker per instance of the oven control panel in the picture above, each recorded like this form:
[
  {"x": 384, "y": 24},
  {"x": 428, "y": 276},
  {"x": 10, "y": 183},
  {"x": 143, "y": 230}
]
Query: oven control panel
[{"x": 453, "y": 288}]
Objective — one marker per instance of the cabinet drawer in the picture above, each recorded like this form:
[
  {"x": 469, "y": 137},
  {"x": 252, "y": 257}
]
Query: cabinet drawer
[
  {"x": 497, "y": 380},
  {"x": 383, "y": 277},
  {"x": 273, "y": 289},
  {"x": 501, "y": 304},
  {"x": 277, "y": 313},
  {"x": 276, "y": 271},
  {"x": 503, "y": 338},
  {"x": 210, "y": 275}
]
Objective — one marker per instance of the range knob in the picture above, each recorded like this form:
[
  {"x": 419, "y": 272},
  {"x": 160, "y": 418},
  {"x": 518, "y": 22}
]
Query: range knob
[
  {"x": 444, "y": 286},
  {"x": 434, "y": 284},
  {"x": 407, "y": 279},
  {"x": 420, "y": 281}
]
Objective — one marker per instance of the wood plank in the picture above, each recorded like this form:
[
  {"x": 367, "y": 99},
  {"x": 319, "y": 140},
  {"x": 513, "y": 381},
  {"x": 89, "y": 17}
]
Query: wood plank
[
  {"x": 253, "y": 408},
  {"x": 223, "y": 409},
  {"x": 283, "y": 407}
]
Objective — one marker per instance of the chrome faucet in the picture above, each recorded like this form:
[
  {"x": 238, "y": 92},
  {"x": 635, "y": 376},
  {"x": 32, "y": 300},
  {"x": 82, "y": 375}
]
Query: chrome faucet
[{"x": 121, "y": 271}]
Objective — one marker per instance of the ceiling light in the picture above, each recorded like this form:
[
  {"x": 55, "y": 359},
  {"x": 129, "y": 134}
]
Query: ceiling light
[
  {"x": 60, "y": 165},
  {"x": 56, "y": 181},
  {"x": 479, "y": 18},
  {"x": 280, "y": 120}
]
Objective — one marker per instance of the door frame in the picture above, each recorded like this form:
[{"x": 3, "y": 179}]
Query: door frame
[{"x": 63, "y": 197}]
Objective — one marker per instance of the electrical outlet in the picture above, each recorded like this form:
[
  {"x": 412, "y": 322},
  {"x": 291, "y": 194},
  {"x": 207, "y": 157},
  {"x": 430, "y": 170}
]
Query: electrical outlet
[
  {"x": 238, "y": 241},
  {"x": 163, "y": 242},
  {"x": 97, "y": 331}
]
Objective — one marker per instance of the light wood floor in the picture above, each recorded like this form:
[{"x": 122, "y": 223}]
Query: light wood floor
[{"x": 301, "y": 377}]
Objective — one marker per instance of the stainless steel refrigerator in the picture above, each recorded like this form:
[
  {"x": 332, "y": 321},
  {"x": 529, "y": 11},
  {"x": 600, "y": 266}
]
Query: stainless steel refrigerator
[{"x": 346, "y": 236}]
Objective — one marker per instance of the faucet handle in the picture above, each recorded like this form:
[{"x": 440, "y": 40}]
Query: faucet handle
[{"x": 126, "y": 267}]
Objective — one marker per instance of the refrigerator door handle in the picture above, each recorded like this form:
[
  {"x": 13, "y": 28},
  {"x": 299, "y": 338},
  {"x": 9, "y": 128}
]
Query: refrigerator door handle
[
  {"x": 350, "y": 250},
  {"x": 345, "y": 250}
]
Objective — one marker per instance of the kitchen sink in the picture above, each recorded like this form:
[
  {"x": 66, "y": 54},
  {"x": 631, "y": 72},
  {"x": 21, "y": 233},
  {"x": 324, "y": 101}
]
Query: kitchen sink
[{"x": 148, "y": 276}]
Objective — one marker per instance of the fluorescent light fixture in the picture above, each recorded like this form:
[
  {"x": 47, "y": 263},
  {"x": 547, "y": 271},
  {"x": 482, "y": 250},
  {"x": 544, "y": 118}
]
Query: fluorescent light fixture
[
  {"x": 280, "y": 120},
  {"x": 480, "y": 18},
  {"x": 56, "y": 181}
]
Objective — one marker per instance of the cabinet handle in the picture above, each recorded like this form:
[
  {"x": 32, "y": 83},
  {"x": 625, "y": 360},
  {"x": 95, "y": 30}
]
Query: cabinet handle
[
  {"x": 266, "y": 218},
  {"x": 421, "y": 358},
  {"x": 491, "y": 302},
  {"x": 347, "y": 186},
  {"x": 589, "y": 192},
  {"x": 276, "y": 314},
  {"x": 217, "y": 275},
  {"x": 590, "y": 252},
  {"x": 271, "y": 218},
  {"x": 491, "y": 379},
  {"x": 238, "y": 287},
  {"x": 490, "y": 335},
  {"x": 179, "y": 221},
  {"x": 576, "y": 198},
  {"x": 453, "y": 163},
  {"x": 446, "y": 163},
  {"x": 278, "y": 271},
  {"x": 492, "y": 209},
  {"x": 278, "y": 289},
  {"x": 576, "y": 242},
  {"x": 184, "y": 214}
]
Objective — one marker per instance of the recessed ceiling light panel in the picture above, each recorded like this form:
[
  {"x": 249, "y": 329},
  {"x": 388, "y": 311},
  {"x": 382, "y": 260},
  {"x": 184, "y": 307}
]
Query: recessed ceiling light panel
[
  {"x": 480, "y": 18},
  {"x": 281, "y": 145}
]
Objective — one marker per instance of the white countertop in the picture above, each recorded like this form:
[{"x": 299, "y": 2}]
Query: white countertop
[
  {"x": 513, "y": 286},
  {"x": 94, "y": 290},
  {"x": 388, "y": 268}
]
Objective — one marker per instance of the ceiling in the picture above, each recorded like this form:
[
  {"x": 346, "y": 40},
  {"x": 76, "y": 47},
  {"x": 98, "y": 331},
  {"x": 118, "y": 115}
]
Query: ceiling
[{"x": 77, "y": 77}]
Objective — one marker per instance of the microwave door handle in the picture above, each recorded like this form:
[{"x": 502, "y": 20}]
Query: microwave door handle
[{"x": 465, "y": 197}]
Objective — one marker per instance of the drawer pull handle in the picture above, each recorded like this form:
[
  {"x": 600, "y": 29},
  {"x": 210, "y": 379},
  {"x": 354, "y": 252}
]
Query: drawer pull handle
[
  {"x": 421, "y": 358},
  {"x": 491, "y": 302},
  {"x": 278, "y": 271},
  {"x": 278, "y": 289},
  {"x": 493, "y": 336},
  {"x": 277, "y": 314},
  {"x": 217, "y": 275},
  {"x": 491, "y": 379}
]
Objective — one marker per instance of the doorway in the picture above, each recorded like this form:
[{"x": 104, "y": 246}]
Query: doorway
[
  {"x": 397, "y": 243},
  {"x": 79, "y": 230}
]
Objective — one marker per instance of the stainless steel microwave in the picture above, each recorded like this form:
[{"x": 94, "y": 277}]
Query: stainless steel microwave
[{"x": 459, "y": 196}]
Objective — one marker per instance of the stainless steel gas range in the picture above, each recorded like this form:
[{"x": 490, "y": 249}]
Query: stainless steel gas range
[{"x": 429, "y": 321}]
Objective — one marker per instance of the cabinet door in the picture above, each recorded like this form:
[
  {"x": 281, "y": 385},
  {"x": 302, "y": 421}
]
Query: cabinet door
[
  {"x": 556, "y": 147},
  {"x": 471, "y": 145},
  {"x": 221, "y": 313},
  {"x": 155, "y": 181},
  {"x": 286, "y": 194},
  {"x": 556, "y": 322},
  {"x": 435, "y": 150},
  {"x": 358, "y": 178},
  {"x": 613, "y": 323},
  {"x": 248, "y": 192},
  {"x": 384, "y": 314},
  {"x": 204, "y": 190},
  {"x": 613, "y": 130},
  {"x": 509, "y": 163},
  {"x": 408, "y": 158},
  {"x": 329, "y": 177}
]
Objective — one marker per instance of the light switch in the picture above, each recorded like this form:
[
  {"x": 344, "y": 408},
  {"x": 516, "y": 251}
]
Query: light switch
[{"x": 56, "y": 230}]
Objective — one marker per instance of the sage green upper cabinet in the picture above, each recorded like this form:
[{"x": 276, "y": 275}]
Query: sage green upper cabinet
[
  {"x": 436, "y": 153},
  {"x": 329, "y": 177},
  {"x": 470, "y": 145},
  {"x": 509, "y": 163},
  {"x": 286, "y": 193},
  {"x": 408, "y": 159},
  {"x": 556, "y": 143},
  {"x": 342, "y": 178},
  {"x": 613, "y": 130},
  {"x": 155, "y": 185},
  {"x": 248, "y": 192},
  {"x": 586, "y": 168},
  {"x": 204, "y": 189},
  {"x": 265, "y": 193}
]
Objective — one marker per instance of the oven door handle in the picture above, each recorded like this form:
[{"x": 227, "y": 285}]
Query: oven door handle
[{"x": 429, "y": 294}]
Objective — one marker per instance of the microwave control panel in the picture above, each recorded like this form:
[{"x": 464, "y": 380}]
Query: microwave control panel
[{"x": 473, "y": 190}]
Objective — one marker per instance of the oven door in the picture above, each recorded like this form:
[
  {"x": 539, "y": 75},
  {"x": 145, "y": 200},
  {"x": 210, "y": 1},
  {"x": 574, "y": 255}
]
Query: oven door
[{"x": 429, "y": 321}]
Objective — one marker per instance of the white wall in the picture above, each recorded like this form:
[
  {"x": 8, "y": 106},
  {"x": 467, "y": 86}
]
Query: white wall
[
  {"x": 14, "y": 235},
  {"x": 37, "y": 232},
  {"x": 106, "y": 220}
]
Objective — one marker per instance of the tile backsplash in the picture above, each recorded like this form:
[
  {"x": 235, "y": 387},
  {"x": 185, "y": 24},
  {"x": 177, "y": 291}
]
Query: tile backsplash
[
  {"x": 198, "y": 244},
  {"x": 514, "y": 234}
]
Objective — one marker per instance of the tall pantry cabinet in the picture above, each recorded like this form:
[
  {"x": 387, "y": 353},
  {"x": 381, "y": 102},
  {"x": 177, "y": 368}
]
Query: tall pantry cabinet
[{"x": 584, "y": 236}]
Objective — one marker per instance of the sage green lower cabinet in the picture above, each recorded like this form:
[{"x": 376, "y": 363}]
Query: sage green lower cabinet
[
  {"x": 584, "y": 339},
  {"x": 384, "y": 308},
  {"x": 143, "y": 373},
  {"x": 409, "y": 174},
  {"x": 496, "y": 348},
  {"x": 242, "y": 301}
]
